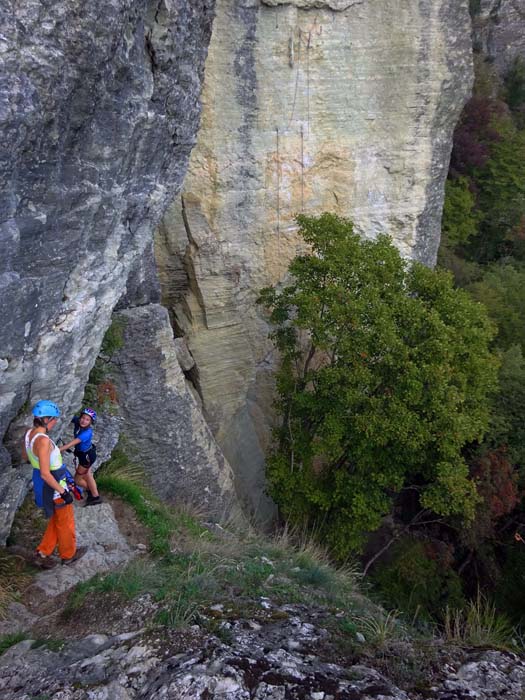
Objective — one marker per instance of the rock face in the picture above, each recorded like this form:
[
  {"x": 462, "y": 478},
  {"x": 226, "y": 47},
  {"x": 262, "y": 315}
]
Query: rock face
[
  {"x": 270, "y": 659},
  {"x": 163, "y": 426},
  {"x": 500, "y": 30},
  {"x": 99, "y": 106},
  {"x": 308, "y": 105}
]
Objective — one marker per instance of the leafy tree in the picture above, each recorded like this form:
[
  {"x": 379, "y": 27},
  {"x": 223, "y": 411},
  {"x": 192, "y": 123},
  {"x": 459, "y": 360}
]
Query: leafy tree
[
  {"x": 501, "y": 198},
  {"x": 475, "y": 135},
  {"x": 385, "y": 377}
]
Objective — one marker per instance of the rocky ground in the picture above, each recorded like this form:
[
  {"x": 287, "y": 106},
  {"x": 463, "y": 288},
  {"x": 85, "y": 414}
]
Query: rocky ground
[{"x": 113, "y": 649}]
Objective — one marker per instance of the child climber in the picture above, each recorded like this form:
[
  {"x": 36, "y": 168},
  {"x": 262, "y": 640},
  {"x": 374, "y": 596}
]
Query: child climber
[{"x": 86, "y": 454}]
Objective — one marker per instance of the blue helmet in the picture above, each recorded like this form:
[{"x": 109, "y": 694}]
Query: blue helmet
[{"x": 46, "y": 409}]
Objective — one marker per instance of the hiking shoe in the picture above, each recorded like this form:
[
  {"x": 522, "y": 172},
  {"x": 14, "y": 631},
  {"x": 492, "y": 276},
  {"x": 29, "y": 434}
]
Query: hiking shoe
[
  {"x": 93, "y": 500},
  {"x": 76, "y": 556},
  {"x": 43, "y": 562}
]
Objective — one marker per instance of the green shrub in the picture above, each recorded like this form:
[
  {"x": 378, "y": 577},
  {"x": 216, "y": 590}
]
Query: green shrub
[
  {"x": 515, "y": 85},
  {"x": 460, "y": 220},
  {"x": 416, "y": 583},
  {"x": 502, "y": 291}
]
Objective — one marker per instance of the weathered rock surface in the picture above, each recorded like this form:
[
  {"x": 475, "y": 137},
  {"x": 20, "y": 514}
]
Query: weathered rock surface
[
  {"x": 99, "y": 106},
  {"x": 263, "y": 660},
  {"x": 308, "y": 105},
  {"x": 163, "y": 427},
  {"x": 500, "y": 31}
]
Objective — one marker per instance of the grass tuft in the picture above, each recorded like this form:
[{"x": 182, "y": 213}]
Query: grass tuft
[
  {"x": 479, "y": 625},
  {"x": 380, "y": 628},
  {"x": 121, "y": 467},
  {"x": 9, "y": 640}
]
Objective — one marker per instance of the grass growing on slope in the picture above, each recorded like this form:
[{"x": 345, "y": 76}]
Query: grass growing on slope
[
  {"x": 125, "y": 479},
  {"x": 192, "y": 568}
]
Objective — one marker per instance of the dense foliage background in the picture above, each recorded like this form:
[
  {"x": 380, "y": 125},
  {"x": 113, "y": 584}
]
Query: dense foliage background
[{"x": 483, "y": 244}]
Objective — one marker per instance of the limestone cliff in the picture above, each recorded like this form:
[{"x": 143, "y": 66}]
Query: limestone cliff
[
  {"x": 99, "y": 107},
  {"x": 308, "y": 105}
]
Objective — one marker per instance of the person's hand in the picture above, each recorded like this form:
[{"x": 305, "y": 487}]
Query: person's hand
[
  {"x": 67, "y": 497},
  {"x": 518, "y": 537}
]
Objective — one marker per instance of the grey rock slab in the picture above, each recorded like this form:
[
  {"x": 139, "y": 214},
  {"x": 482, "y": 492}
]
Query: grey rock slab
[
  {"x": 17, "y": 619},
  {"x": 500, "y": 31},
  {"x": 252, "y": 665},
  {"x": 492, "y": 675},
  {"x": 108, "y": 549}
]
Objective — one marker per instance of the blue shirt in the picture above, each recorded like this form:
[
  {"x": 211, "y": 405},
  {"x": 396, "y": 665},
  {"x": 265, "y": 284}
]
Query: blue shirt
[{"x": 85, "y": 435}]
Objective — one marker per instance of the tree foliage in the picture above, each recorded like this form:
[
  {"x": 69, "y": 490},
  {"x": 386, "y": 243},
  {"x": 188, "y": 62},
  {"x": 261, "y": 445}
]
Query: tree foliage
[
  {"x": 385, "y": 377},
  {"x": 460, "y": 220},
  {"x": 419, "y": 579},
  {"x": 502, "y": 291},
  {"x": 507, "y": 425}
]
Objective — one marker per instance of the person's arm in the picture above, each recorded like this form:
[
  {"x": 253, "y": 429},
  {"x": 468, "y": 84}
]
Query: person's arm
[
  {"x": 43, "y": 450},
  {"x": 65, "y": 447}
]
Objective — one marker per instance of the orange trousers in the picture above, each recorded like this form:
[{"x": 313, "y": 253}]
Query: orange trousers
[{"x": 60, "y": 531}]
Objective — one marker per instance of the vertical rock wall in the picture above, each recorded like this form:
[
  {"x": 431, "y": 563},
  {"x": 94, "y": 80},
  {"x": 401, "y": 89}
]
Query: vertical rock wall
[
  {"x": 99, "y": 107},
  {"x": 308, "y": 105}
]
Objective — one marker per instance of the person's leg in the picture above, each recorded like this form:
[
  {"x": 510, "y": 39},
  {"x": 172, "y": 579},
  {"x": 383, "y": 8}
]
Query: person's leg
[
  {"x": 50, "y": 539},
  {"x": 65, "y": 529},
  {"x": 92, "y": 484},
  {"x": 80, "y": 476}
]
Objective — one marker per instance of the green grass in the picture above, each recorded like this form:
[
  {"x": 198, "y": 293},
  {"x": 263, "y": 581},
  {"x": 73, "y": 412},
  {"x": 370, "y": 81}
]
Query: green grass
[
  {"x": 13, "y": 578},
  {"x": 121, "y": 467},
  {"x": 48, "y": 643},
  {"x": 190, "y": 569},
  {"x": 151, "y": 513},
  {"x": 9, "y": 640}
]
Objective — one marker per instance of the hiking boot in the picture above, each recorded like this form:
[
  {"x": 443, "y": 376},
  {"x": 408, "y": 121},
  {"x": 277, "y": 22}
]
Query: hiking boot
[
  {"x": 93, "y": 500},
  {"x": 43, "y": 562},
  {"x": 76, "y": 556}
]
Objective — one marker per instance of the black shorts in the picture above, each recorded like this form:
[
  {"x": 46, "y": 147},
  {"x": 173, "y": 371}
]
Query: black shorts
[{"x": 88, "y": 458}]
